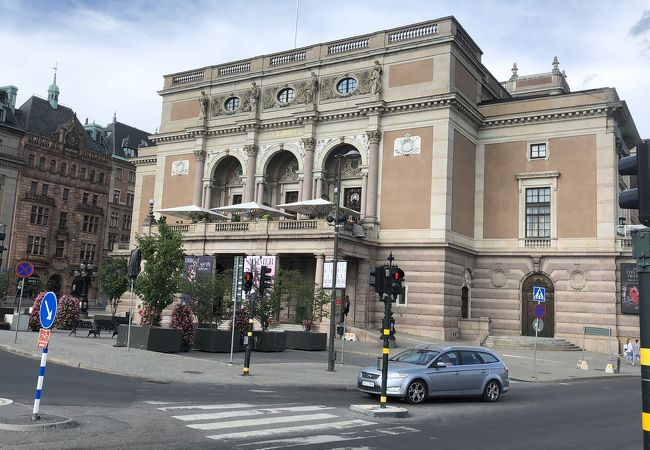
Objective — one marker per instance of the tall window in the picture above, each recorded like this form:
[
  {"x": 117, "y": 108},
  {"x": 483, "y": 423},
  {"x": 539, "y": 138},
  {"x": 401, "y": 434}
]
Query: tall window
[
  {"x": 33, "y": 187},
  {"x": 85, "y": 198},
  {"x": 41, "y": 163},
  {"x": 131, "y": 177},
  {"x": 87, "y": 252},
  {"x": 95, "y": 198},
  {"x": 35, "y": 245},
  {"x": 62, "y": 169},
  {"x": 92, "y": 176},
  {"x": 126, "y": 224},
  {"x": 118, "y": 173},
  {"x": 129, "y": 199},
  {"x": 53, "y": 166},
  {"x": 537, "y": 151},
  {"x": 116, "y": 195},
  {"x": 60, "y": 247},
  {"x": 90, "y": 224},
  {"x": 66, "y": 194},
  {"x": 82, "y": 174},
  {"x": 63, "y": 220},
  {"x": 538, "y": 212},
  {"x": 39, "y": 216},
  {"x": 114, "y": 219},
  {"x": 45, "y": 188}
]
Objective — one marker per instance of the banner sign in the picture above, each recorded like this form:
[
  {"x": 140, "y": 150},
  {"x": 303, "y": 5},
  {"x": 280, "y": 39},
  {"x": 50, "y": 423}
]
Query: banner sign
[
  {"x": 197, "y": 266},
  {"x": 629, "y": 289}
]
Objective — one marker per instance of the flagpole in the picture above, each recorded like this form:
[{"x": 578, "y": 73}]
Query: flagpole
[{"x": 295, "y": 35}]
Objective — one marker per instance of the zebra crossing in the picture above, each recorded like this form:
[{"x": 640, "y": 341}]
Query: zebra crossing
[{"x": 276, "y": 425}]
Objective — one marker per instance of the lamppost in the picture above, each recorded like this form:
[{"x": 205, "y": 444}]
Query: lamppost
[
  {"x": 331, "y": 358},
  {"x": 82, "y": 283}
]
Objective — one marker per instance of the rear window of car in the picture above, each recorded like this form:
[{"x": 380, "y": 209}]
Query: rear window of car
[
  {"x": 470, "y": 358},
  {"x": 488, "y": 358},
  {"x": 415, "y": 356}
]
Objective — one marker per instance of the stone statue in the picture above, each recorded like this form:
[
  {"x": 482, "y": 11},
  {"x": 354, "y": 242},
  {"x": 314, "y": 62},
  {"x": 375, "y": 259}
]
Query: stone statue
[
  {"x": 311, "y": 88},
  {"x": 254, "y": 96},
  {"x": 204, "y": 101},
  {"x": 375, "y": 79}
]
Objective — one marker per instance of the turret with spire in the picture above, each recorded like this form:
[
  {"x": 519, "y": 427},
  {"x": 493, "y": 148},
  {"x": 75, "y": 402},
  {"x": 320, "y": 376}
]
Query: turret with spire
[{"x": 53, "y": 91}]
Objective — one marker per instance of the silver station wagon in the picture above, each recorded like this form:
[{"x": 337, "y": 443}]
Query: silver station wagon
[{"x": 419, "y": 373}]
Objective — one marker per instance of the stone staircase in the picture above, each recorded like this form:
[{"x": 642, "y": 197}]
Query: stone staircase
[
  {"x": 528, "y": 342},
  {"x": 286, "y": 327}
]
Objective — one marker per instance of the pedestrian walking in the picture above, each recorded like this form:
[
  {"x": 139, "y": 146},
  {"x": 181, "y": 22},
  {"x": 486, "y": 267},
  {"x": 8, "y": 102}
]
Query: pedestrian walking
[
  {"x": 627, "y": 351},
  {"x": 636, "y": 351}
]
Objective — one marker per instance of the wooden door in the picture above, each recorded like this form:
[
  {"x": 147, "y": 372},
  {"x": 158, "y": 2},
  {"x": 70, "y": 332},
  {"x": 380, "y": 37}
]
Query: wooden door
[{"x": 528, "y": 304}]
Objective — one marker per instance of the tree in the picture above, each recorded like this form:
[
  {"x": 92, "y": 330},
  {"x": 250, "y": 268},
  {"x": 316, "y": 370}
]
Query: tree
[
  {"x": 163, "y": 270},
  {"x": 114, "y": 280},
  {"x": 207, "y": 293}
]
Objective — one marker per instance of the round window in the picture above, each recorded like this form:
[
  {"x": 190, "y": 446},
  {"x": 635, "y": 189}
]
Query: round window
[
  {"x": 232, "y": 104},
  {"x": 346, "y": 85},
  {"x": 286, "y": 95}
]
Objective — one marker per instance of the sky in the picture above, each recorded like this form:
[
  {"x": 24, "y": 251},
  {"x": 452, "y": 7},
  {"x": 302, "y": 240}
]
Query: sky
[{"x": 111, "y": 55}]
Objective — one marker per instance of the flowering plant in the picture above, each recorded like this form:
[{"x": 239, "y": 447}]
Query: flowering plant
[
  {"x": 149, "y": 315},
  {"x": 34, "y": 319},
  {"x": 183, "y": 319},
  {"x": 67, "y": 312}
]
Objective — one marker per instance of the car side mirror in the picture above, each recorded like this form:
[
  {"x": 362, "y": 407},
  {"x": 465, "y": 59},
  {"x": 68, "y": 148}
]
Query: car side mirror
[{"x": 439, "y": 364}]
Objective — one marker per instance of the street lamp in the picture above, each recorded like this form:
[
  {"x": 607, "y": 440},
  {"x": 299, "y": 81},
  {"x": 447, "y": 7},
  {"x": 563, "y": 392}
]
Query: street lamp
[
  {"x": 82, "y": 283},
  {"x": 331, "y": 358}
]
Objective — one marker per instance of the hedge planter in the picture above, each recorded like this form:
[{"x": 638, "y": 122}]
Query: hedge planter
[
  {"x": 306, "y": 340},
  {"x": 215, "y": 341},
  {"x": 269, "y": 341},
  {"x": 155, "y": 339}
]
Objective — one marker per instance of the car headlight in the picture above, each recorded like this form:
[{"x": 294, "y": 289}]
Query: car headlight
[{"x": 397, "y": 375}]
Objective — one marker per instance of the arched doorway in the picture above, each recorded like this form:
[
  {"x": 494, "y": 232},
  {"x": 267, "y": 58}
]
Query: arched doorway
[
  {"x": 282, "y": 184},
  {"x": 537, "y": 280},
  {"x": 54, "y": 284},
  {"x": 351, "y": 177},
  {"x": 227, "y": 186}
]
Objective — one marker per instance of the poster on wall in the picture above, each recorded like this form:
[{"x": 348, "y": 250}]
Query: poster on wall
[
  {"x": 196, "y": 266},
  {"x": 629, "y": 289}
]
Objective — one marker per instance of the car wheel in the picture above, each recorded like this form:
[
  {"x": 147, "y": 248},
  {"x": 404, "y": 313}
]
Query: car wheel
[
  {"x": 492, "y": 391},
  {"x": 416, "y": 392}
]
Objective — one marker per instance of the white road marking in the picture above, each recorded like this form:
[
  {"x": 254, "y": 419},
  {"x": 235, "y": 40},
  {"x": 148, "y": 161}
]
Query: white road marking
[
  {"x": 297, "y": 429},
  {"x": 258, "y": 422},
  {"x": 262, "y": 391},
  {"x": 153, "y": 402},
  {"x": 221, "y": 406},
  {"x": 304, "y": 441},
  {"x": 250, "y": 412},
  {"x": 395, "y": 431},
  {"x": 528, "y": 357}
]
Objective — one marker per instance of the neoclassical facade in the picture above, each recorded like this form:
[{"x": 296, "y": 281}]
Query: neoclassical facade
[{"x": 480, "y": 189}]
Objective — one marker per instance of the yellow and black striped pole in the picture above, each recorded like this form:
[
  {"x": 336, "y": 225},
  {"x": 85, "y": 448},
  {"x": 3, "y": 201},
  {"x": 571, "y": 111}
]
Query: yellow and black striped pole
[
  {"x": 249, "y": 334},
  {"x": 641, "y": 250},
  {"x": 386, "y": 336}
]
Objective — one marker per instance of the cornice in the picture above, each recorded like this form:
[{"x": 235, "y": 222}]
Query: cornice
[
  {"x": 534, "y": 117},
  {"x": 145, "y": 161}
]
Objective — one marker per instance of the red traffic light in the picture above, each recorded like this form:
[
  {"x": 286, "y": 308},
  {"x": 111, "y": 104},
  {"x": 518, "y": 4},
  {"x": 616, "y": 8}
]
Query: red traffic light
[{"x": 248, "y": 281}]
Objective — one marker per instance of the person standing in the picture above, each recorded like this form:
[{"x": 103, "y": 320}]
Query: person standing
[
  {"x": 636, "y": 351},
  {"x": 627, "y": 351}
]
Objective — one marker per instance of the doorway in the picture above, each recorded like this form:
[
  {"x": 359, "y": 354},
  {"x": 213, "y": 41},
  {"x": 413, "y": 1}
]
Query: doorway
[{"x": 527, "y": 305}]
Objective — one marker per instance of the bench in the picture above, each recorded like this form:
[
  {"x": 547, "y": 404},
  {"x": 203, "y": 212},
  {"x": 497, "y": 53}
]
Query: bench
[
  {"x": 105, "y": 325},
  {"x": 83, "y": 324}
]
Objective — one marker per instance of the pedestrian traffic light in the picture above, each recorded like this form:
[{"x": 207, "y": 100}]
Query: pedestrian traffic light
[
  {"x": 377, "y": 279},
  {"x": 639, "y": 197},
  {"x": 265, "y": 279},
  {"x": 248, "y": 281},
  {"x": 396, "y": 276}
]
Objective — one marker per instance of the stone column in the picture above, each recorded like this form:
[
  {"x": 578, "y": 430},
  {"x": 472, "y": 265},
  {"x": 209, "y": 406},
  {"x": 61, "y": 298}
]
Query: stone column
[
  {"x": 373, "y": 173},
  {"x": 260, "y": 190},
  {"x": 364, "y": 192},
  {"x": 198, "y": 176},
  {"x": 319, "y": 186},
  {"x": 207, "y": 197},
  {"x": 307, "y": 189},
  {"x": 320, "y": 264},
  {"x": 251, "y": 162}
]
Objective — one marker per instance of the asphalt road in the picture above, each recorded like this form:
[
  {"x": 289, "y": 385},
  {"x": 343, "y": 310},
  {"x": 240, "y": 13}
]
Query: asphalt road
[{"x": 121, "y": 412}]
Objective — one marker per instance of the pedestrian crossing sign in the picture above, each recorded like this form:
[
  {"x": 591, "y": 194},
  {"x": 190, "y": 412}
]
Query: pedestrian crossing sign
[{"x": 539, "y": 294}]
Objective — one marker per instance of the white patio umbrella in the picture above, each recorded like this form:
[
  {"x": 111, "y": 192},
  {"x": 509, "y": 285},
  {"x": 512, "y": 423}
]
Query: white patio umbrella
[
  {"x": 316, "y": 207},
  {"x": 192, "y": 212},
  {"x": 251, "y": 209}
]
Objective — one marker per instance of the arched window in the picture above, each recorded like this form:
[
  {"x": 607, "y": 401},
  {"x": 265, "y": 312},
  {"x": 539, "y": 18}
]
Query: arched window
[
  {"x": 73, "y": 171},
  {"x": 92, "y": 176},
  {"x": 62, "y": 169},
  {"x": 30, "y": 161},
  {"x": 41, "y": 163},
  {"x": 101, "y": 177},
  {"x": 53, "y": 166}
]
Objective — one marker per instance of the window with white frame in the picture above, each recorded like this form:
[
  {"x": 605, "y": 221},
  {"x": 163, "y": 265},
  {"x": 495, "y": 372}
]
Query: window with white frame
[
  {"x": 114, "y": 219},
  {"x": 35, "y": 245},
  {"x": 537, "y": 151},
  {"x": 538, "y": 212}
]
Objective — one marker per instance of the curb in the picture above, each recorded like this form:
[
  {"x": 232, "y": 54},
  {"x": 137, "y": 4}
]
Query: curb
[
  {"x": 65, "y": 422},
  {"x": 378, "y": 411}
]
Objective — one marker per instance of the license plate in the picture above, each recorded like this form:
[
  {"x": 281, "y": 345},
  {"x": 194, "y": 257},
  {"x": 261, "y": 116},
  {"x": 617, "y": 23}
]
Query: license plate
[{"x": 367, "y": 383}]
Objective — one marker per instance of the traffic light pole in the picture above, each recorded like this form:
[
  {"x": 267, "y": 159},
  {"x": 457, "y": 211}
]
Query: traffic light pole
[
  {"x": 249, "y": 335},
  {"x": 641, "y": 250},
  {"x": 386, "y": 336}
]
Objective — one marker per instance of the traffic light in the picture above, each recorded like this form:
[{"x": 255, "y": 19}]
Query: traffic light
[
  {"x": 396, "y": 276},
  {"x": 378, "y": 279},
  {"x": 265, "y": 279},
  {"x": 248, "y": 281},
  {"x": 639, "y": 197},
  {"x": 342, "y": 218}
]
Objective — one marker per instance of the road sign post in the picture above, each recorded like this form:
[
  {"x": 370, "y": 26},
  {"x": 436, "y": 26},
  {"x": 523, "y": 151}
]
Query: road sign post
[
  {"x": 24, "y": 269},
  {"x": 47, "y": 314}
]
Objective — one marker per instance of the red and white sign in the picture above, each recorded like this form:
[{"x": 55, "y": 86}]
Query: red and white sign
[{"x": 43, "y": 338}]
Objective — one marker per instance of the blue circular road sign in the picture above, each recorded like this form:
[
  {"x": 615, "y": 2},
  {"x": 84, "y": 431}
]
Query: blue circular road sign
[
  {"x": 538, "y": 310},
  {"x": 48, "y": 310},
  {"x": 24, "y": 269}
]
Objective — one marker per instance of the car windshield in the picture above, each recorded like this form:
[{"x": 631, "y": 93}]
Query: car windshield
[{"x": 415, "y": 356}]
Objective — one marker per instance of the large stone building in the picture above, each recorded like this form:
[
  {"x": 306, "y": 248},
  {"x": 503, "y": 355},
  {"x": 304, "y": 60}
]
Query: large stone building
[{"x": 480, "y": 189}]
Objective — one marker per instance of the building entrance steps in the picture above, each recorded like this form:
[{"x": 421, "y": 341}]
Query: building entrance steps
[{"x": 528, "y": 342}]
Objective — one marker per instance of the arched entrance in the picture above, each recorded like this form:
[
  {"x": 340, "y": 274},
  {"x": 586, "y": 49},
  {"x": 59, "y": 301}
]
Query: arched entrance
[
  {"x": 54, "y": 284},
  {"x": 227, "y": 186},
  {"x": 527, "y": 305},
  {"x": 351, "y": 177},
  {"x": 281, "y": 184}
]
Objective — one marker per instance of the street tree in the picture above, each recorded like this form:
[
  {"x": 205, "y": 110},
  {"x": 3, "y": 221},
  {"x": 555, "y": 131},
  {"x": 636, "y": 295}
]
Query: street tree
[
  {"x": 163, "y": 270},
  {"x": 114, "y": 281},
  {"x": 207, "y": 292}
]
